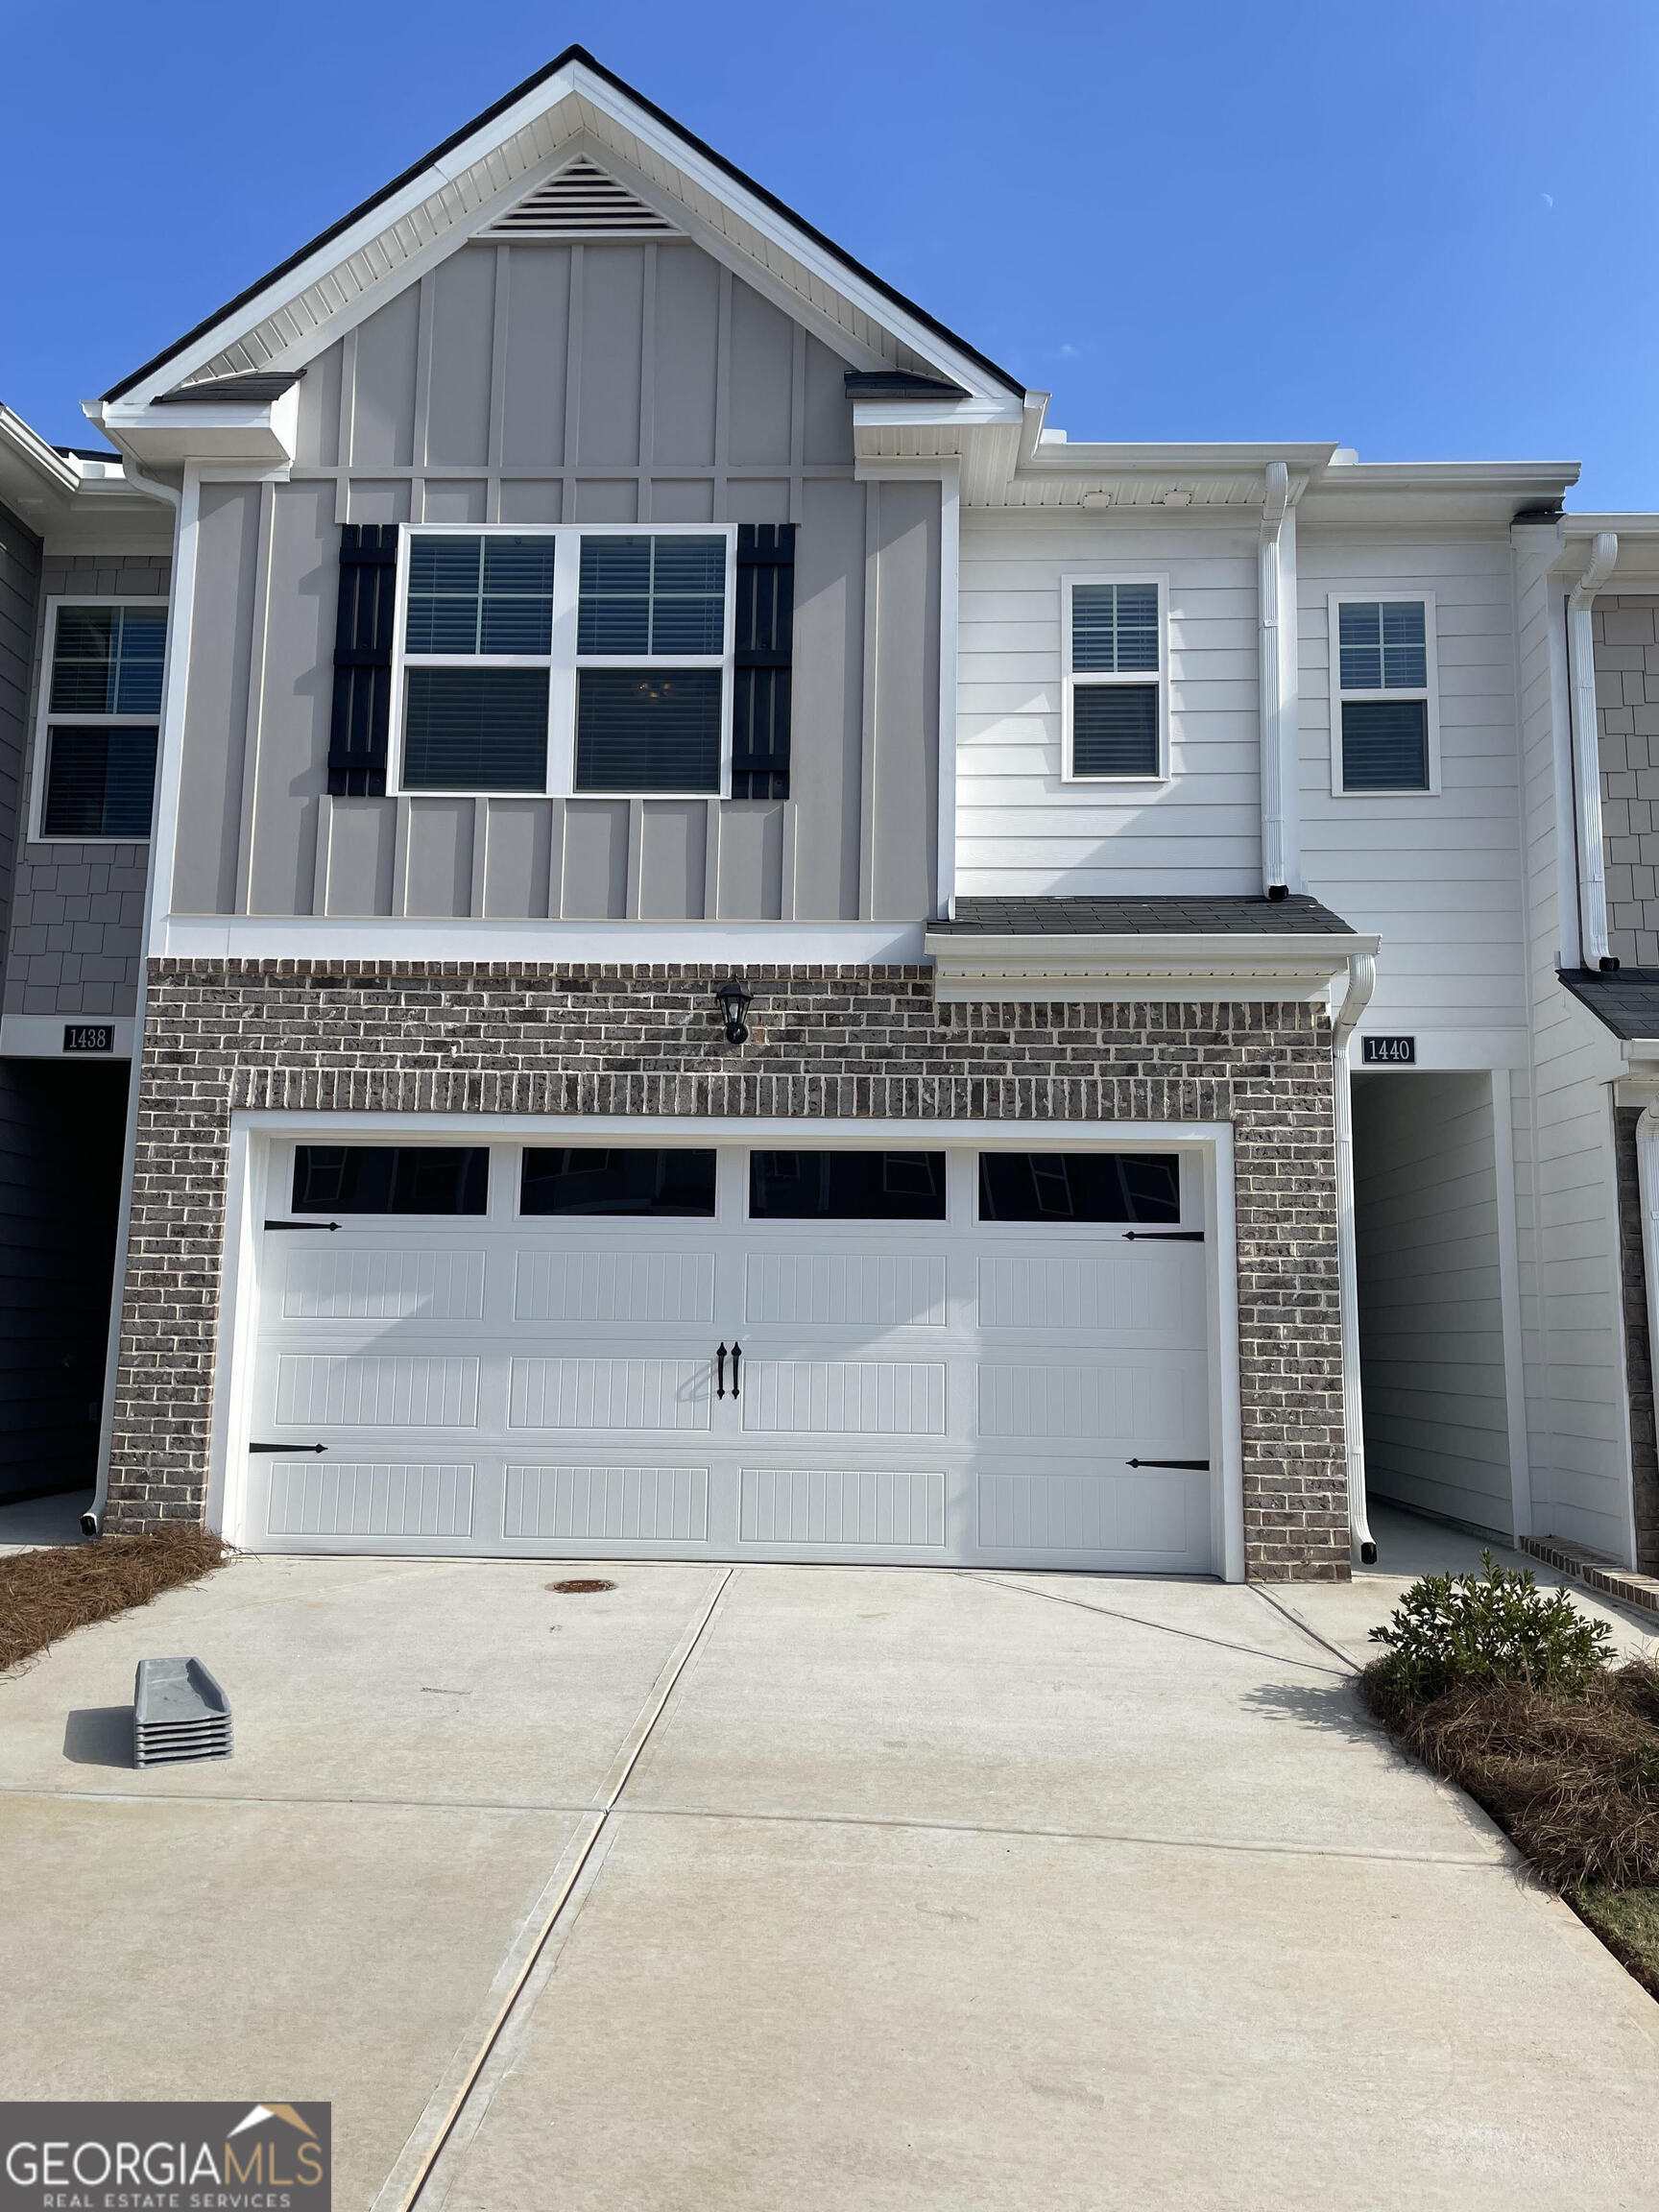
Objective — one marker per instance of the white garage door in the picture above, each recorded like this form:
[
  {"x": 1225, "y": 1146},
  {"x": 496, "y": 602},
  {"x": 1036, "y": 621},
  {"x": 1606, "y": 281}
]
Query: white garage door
[{"x": 943, "y": 1355}]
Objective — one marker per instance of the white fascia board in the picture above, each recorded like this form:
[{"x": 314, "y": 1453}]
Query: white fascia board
[
  {"x": 263, "y": 433},
  {"x": 675, "y": 944},
  {"x": 385, "y": 215},
  {"x": 1220, "y": 963},
  {"x": 948, "y": 415},
  {"x": 1075, "y": 457},
  {"x": 926, "y": 342},
  {"x": 27, "y": 446},
  {"x": 572, "y": 83}
]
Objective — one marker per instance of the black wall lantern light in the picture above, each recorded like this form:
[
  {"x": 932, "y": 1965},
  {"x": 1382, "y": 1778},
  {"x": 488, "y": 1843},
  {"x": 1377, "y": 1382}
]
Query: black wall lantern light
[{"x": 733, "y": 998}]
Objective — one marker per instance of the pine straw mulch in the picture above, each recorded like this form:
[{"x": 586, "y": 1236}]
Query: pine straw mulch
[
  {"x": 1572, "y": 1781},
  {"x": 45, "y": 1593}
]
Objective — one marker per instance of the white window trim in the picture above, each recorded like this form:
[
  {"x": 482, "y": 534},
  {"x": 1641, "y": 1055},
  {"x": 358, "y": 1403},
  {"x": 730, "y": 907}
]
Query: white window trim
[
  {"x": 1068, "y": 683},
  {"x": 1369, "y": 596},
  {"x": 562, "y": 661},
  {"x": 44, "y": 717}
]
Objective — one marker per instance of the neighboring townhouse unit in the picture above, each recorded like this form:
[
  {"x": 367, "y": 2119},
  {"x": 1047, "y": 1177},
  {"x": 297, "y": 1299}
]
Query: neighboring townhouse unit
[
  {"x": 83, "y": 569},
  {"x": 752, "y": 953}
]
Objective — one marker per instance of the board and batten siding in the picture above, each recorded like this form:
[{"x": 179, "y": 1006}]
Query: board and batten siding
[
  {"x": 1438, "y": 875},
  {"x": 545, "y": 382},
  {"x": 1430, "y": 1296},
  {"x": 1021, "y": 829}
]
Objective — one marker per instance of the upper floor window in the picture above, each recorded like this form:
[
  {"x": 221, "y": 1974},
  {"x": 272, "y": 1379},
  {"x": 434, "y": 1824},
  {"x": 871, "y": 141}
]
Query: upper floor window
[
  {"x": 1116, "y": 708},
  {"x": 567, "y": 659},
  {"x": 95, "y": 750},
  {"x": 1383, "y": 717}
]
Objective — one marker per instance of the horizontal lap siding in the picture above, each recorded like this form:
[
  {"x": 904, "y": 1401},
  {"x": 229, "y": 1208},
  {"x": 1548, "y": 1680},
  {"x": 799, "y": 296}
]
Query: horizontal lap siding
[
  {"x": 1437, "y": 877},
  {"x": 1430, "y": 1301},
  {"x": 1019, "y": 829}
]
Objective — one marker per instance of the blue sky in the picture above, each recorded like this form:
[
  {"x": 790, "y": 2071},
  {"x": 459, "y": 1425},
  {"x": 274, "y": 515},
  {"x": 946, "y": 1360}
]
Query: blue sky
[{"x": 1425, "y": 230}]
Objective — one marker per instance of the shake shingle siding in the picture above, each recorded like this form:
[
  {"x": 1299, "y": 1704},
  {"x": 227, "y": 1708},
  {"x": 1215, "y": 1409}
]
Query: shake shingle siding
[{"x": 851, "y": 1043}]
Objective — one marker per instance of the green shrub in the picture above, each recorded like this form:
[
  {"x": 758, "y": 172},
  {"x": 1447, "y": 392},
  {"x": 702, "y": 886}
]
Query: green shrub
[{"x": 1494, "y": 1627}]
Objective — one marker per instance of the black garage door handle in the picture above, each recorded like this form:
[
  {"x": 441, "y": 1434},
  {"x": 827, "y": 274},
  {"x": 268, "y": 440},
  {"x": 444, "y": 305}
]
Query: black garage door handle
[
  {"x": 1197, "y": 1466},
  {"x": 302, "y": 1224},
  {"x": 288, "y": 1447}
]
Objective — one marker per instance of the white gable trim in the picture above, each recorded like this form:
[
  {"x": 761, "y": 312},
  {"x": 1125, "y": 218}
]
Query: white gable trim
[{"x": 300, "y": 314}]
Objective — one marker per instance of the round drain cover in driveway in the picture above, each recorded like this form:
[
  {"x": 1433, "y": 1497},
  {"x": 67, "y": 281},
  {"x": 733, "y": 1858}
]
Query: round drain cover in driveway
[{"x": 580, "y": 1585}]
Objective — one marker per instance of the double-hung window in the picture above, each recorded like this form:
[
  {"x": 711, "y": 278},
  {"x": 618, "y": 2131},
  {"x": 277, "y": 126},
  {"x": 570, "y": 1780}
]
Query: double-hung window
[
  {"x": 1116, "y": 699},
  {"x": 477, "y": 651},
  {"x": 100, "y": 713},
  {"x": 566, "y": 660},
  {"x": 1384, "y": 721}
]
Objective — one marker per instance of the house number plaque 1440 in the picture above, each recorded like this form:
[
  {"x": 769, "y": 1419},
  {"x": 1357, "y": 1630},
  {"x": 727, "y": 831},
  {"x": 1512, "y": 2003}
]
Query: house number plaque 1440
[{"x": 1387, "y": 1052}]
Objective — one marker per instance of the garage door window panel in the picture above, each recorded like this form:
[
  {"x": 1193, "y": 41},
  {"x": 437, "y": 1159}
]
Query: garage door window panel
[
  {"x": 847, "y": 1187},
  {"x": 1082, "y": 1187},
  {"x": 618, "y": 1181},
  {"x": 391, "y": 1179}
]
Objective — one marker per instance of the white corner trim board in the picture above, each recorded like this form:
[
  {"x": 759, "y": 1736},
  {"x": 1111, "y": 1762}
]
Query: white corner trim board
[
  {"x": 1256, "y": 968},
  {"x": 1362, "y": 982}
]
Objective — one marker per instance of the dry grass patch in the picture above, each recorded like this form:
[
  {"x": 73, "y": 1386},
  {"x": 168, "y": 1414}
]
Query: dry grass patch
[
  {"x": 1627, "y": 1922},
  {"x": 1507, "y": 1691},
  {"x": 45, "y": 1593},
  {"x": 1573, "y": 1779}
]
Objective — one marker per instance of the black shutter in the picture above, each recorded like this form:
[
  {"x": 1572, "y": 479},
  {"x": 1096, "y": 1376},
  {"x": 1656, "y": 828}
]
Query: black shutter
[
  {"x": 362, "y": 716},
  {"x": 765, "y": 636}
]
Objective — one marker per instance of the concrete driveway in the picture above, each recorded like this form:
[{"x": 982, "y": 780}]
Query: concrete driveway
[{"x": 916, "y": 1890}]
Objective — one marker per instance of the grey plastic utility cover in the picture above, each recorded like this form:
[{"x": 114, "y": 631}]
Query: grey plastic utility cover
[{"x": 179, "y": 1712}]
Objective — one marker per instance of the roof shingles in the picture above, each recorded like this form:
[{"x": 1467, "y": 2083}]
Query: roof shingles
[{"x": 1142, "y": 917}]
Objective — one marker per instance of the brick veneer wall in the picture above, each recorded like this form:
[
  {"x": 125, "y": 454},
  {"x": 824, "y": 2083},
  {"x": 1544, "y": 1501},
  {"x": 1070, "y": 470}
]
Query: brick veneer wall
[
  {"x": 843, "y": 1042},
  {"x": 1638, "y": 1351}
]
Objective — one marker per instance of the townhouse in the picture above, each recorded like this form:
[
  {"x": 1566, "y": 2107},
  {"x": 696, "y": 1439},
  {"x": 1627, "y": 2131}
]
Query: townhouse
[{"x": 748, "y": 951}]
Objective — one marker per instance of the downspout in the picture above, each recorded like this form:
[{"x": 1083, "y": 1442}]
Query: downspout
[
  {"x": 1587, "y": 754},
  {"x": 1276, "y": 569},
  {"x": 1362, "y": 982},
  {"x": 1647, "y": 1185},
  {"x": 92, "y": 1520}
]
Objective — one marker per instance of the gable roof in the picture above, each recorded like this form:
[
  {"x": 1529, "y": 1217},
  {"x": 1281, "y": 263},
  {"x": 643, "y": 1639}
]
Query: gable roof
[{"x": 575, "y": 60}]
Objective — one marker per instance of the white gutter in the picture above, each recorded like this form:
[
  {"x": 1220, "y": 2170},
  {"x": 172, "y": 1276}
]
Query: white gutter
[
  {"x": 1276, "y": 598},
  {"x": 172, "y": 688},
  {"x": 1587, "y": 750},
  {"x": 1362, "y": 982}
]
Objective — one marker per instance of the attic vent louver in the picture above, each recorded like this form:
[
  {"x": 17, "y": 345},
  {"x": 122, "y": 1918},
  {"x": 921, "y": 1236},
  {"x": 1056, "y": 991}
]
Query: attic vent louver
[{"x": 579, "y": 203}]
